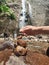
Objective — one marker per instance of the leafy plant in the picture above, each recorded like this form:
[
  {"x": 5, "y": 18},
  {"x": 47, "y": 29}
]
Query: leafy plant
[
  {"x": 6, "y": 10},
  {"x": 12, "y": 16},
  {"x": 0, "y": 9}
]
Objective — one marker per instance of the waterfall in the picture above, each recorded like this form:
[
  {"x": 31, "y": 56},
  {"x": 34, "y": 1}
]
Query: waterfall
[
  {"x": 29, "y": 10},
  {"x": 22, "y": 18}
]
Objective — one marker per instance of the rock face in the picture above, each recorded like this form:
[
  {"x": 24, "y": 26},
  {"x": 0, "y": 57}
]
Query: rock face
[
  {"x": 40, "y": 13},
  {"x": 5, "y": 22},
  {"x": 40, "y": 9}
]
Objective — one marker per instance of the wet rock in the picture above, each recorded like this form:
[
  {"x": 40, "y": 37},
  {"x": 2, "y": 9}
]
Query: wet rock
[
  {"x": 7, "y": 57},
  {"x": 47, "y": 52},
  {"x": 19, "y": 37},
  {"x": 24, "y": 38},
  {"x": 7, "y": 44},
  {"x": 31, "y": 37},
  {"x": 4, "y": 55},
  {"x": 48, "y": 40},
  {"x": 13, "y": 60},
  {"x": 20, "y": 51},
  {"x": 21, "y": 43},
  {"x": 36, "y": 58},
  {"x": 39, "y": 36}
]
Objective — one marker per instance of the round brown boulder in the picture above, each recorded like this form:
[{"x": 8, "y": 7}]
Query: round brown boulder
[
  {"x": 21, "y": 43},
  {"x": 20, "y": 51}
]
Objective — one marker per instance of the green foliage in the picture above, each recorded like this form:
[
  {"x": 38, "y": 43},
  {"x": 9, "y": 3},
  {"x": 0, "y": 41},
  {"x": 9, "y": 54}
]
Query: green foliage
[
  {"x": 6, "y": 10},
  {"x": 0, "y": 9},
  {"x": 12, "y": 16}
]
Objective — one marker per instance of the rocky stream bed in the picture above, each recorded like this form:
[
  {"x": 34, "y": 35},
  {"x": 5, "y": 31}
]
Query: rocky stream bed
[{"x": 29, "y": 50}]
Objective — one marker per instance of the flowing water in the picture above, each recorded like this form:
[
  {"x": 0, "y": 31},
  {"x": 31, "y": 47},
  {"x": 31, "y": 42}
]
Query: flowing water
[
  {"x": 23, "y": 21},
  {"x": 22, "y": 17}
]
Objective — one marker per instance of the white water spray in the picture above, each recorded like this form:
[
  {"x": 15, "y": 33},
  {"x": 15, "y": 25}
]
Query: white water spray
[{"x": 22, "y": 18}]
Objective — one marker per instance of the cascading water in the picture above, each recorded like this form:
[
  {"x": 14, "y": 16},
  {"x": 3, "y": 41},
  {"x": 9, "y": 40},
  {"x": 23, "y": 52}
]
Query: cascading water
[
  {"x": 22, "y": 17},
  {"x": 23, "y": 21}
]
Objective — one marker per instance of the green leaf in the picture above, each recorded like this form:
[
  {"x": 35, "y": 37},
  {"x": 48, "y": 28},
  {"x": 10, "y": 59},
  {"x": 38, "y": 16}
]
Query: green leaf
[
  {"x": 5, "y": 8},
  {"x": 12, "y": 16},
  {"x": 0, "y": 9}
]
